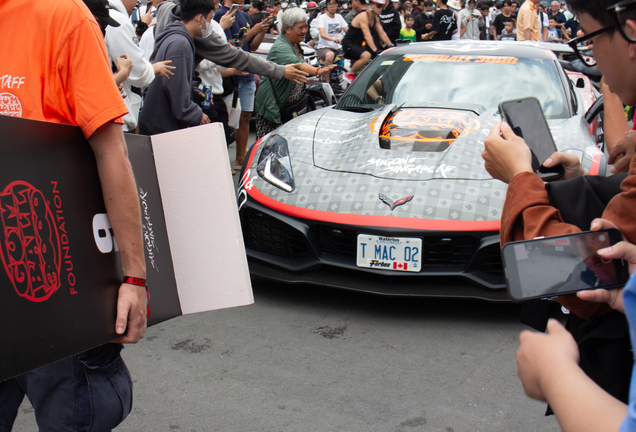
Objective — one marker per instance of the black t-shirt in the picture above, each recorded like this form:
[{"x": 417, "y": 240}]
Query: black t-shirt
[
  {"x": 420, "y": 24},
  {"x": 256, "y": 18},
  {"x": 573, "y": 26},
  {"x": 559, "y": 16},
  {"x": 444, "y": 24},
  {"x": 500, "y": 22}
]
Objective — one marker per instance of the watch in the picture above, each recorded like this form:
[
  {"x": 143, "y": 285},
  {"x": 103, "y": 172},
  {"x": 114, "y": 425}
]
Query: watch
[{"x": 378, "y": 98}]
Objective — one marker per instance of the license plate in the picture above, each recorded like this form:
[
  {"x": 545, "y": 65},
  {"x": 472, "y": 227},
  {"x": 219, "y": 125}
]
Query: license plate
[{"x": 389, "y": 253}]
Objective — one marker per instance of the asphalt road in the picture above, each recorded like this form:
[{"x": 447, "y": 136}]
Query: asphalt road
[{"x": 309, "y": 359}]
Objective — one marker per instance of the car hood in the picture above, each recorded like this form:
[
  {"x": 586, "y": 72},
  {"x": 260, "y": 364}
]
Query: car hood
[{"x": 403, "y": 144}]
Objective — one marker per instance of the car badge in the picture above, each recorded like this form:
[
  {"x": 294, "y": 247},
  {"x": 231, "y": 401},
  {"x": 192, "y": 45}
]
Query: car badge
[{"x": 392, "y": 204}]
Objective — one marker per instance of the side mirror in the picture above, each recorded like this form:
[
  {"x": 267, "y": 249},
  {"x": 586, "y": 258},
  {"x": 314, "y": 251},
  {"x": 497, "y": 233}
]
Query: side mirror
[{"x": 594, "y": 110}]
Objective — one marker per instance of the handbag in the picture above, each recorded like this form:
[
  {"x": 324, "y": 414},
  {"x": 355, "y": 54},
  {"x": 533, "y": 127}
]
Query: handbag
[
  {"x": 233, "y": 112},
  {"x": 291, "y": 110}
]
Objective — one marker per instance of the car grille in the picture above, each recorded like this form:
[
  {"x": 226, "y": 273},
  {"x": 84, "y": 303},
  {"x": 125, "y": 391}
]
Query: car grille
[
  {"x": 269, "y": 235},
  {"x": 336, "y": 241},
  {"x": 438, "y": 250},
  {"x": 492, "y": 261}
]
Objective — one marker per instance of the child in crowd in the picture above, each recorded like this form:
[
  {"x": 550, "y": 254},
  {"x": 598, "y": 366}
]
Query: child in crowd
[
  {"x": 408, "y": 32},
  {"x": 508, "y": 33},
  {"x": 554, "y": 34}
]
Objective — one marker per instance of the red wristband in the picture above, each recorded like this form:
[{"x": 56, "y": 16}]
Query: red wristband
[
  {"x": 134, "y": 281},
  {"x": 317, "y": 70}
]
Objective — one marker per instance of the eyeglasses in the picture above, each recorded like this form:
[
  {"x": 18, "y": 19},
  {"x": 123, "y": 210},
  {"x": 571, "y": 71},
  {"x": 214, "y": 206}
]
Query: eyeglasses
[
  {"x": 620, "y": 17},
  {"x": 573, "y": 43}
]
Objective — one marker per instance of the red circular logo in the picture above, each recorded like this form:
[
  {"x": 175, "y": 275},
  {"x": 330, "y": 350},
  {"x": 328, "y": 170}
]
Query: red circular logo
[
  {"x": 10, "y": 105},
  {"x": 29, "y": 242}
]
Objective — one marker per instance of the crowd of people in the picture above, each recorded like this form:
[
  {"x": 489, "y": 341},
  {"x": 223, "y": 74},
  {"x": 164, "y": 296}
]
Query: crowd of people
[{"x": 93, "y": 65}]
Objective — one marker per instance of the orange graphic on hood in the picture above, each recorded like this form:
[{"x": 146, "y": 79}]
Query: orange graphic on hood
[{"x": 427, "y": 125}]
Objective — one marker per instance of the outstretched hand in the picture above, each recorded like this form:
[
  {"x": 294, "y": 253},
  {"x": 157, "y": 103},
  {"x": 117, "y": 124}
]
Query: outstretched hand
[
  {"x": 294, "y": 74},
  {"x": 327, "y": 69},
  {"x": 162, "y": 69}
]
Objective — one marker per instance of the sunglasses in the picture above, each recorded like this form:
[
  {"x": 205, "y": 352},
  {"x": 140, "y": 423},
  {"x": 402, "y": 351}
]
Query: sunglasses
[{"x": 620, "y": 17}]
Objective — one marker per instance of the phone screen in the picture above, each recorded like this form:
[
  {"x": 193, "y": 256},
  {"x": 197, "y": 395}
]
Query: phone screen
[
  {"x": 525, "y": 117},
  {"x": 553, "y": 266}
]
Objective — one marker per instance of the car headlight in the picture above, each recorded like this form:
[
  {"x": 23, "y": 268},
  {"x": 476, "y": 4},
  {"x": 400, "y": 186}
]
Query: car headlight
[{"x": 274, "y": 164}]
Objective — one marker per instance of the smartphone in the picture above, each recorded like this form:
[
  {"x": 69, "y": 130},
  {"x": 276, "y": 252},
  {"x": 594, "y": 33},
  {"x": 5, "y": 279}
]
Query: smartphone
[
  {"x": 525, "y": 117},
  {"x": 554, "y": 266},
  {"x": 234, "y": 7},
  {"x": 240, "y": 36}
]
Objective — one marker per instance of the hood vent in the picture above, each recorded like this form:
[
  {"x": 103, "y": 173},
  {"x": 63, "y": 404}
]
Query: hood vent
[{"x": 425, "y": 130}]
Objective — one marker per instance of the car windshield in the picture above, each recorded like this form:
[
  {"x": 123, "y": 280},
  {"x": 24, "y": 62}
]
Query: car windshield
[{"x": 472, "y": 82}]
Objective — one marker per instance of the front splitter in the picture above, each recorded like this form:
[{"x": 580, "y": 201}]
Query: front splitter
[{"x": 455, "y": 286}]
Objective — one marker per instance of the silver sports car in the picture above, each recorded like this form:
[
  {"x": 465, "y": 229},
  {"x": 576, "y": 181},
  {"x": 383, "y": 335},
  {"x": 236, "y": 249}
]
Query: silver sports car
[{"x": 386, "y": 192}]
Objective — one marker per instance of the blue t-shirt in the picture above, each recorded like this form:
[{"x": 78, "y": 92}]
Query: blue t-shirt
[
  {"x": 242, "y": 20},
  {"x": 629, "y": 299},
  {"x": 554, "y": 33}
]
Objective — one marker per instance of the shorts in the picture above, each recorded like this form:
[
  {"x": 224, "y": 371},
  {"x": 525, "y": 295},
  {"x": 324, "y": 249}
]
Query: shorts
[
  {"x": 352, "y": 51},
  {"x": 87, "y": 391},
  {"x": 322, "y": 52},
  {"x": 247, "y": 90}
]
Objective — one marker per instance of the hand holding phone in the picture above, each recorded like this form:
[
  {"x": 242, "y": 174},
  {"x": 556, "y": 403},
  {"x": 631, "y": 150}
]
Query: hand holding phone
[
  {"x": 555, "y": 266},
  {"x": 525, "y": 117},
  {"x": 506, "y": 155}
]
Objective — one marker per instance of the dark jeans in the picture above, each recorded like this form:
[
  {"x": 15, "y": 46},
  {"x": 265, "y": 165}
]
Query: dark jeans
[{"x": 91, "y": 391}]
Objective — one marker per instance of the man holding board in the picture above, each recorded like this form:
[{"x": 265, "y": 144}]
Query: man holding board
[{"x": 59, "y": 72}]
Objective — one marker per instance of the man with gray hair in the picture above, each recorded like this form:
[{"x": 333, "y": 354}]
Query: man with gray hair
[{"x": 557, "y": 14}]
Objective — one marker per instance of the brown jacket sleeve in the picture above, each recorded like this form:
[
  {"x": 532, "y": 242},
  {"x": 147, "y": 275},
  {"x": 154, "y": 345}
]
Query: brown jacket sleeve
[
  {"x": 527, "y": 214},
  {"x": 622, "y": 208}
]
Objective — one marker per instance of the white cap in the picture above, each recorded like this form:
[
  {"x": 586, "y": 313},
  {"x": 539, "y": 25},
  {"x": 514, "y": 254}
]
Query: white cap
[{"x": 454, "y": 4}]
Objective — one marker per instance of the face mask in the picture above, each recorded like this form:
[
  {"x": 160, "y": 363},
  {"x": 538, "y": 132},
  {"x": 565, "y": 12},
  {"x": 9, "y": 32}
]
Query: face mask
[{"x": 207, "y": 31}]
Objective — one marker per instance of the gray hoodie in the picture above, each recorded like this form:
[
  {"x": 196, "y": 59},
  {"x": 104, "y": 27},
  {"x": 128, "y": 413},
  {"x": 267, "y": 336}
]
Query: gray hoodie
[
  {"x": 215, "y": 49},
  {"x": 168, "y": 105}
]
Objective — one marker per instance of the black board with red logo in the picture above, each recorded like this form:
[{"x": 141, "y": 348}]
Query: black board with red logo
[{"x": 60, "y": 270}]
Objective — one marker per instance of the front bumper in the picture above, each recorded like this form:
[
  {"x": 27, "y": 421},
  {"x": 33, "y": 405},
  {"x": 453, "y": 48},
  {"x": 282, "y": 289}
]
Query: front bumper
[{"x": 293, "y": 250}]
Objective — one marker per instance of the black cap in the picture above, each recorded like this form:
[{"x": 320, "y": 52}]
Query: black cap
[{"x": 99, "y": 8}]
